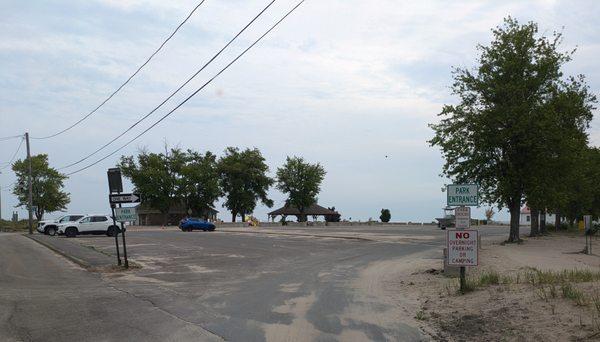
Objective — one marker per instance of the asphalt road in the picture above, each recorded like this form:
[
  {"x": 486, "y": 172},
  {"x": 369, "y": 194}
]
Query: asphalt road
[
  {"x": 44, "y": 297},
  {"x": 206, "y": 285}
]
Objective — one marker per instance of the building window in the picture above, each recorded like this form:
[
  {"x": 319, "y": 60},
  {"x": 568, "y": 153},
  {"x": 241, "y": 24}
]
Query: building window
[{"x": 528, "y": 218}]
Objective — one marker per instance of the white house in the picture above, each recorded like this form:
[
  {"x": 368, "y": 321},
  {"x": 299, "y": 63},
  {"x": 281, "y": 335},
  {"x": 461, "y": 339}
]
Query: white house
[{"x": 526, "y": 217}]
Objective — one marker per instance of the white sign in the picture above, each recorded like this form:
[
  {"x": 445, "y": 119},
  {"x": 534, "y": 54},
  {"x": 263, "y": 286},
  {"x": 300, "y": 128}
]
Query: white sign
[
  {"x": 125, "y": 214},
  {"x": 463, "y": 194},
  {"x": 124, "y": 198},
  {"x": 462, "y": 216},
  {"x": 462, "y": 248}
]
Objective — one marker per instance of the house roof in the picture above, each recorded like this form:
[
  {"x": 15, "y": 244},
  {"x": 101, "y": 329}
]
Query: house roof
[
  {"x": 144, "y": 208},
  {"x": 315, "y": 209},
  {"x": 526, "y": 210}
]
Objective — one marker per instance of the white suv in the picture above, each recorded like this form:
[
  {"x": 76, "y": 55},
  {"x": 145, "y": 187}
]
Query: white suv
[
  {"x": 49, "y": 227},
  {"x": 90, "y": 224}
]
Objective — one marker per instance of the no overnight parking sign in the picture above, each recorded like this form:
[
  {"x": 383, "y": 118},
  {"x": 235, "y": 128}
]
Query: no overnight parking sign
[{"x": 462, "y": 247}]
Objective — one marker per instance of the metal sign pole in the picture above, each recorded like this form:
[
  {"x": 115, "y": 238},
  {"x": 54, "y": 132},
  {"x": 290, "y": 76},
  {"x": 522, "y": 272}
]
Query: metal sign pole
[
  {"x": 112, "y": 208},
  {"x": 463, "y": 278},
  {"x": 124, "y": 244}
]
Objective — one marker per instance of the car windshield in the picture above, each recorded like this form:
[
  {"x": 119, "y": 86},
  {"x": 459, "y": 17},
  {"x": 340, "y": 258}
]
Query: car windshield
[{"x": 70, "y": 218}]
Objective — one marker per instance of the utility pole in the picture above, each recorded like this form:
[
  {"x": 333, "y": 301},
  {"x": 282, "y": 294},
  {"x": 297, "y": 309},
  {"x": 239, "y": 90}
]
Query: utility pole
[{"x": 29, "y": 185}]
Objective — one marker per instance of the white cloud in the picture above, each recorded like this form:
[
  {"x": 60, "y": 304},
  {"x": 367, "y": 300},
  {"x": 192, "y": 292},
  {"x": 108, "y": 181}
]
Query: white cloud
[{"x": 340, "y": 82}]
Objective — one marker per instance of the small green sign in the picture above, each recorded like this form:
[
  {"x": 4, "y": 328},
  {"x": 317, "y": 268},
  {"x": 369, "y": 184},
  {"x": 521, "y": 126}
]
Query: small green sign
[
  {"x": 463, "y": 194},
  {"x": 125, "y": 214}
]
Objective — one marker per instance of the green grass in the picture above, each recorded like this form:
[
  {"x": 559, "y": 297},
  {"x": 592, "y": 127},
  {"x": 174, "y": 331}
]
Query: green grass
[
  {"x": 19, "y": 226},
  {"x": 572, "y": 293},
  {"x": 484, "y": 279},
  {"x": 488, "y": 278},
  {"x": 420, "y": 316},
  {"x": 537, "y": 277}
]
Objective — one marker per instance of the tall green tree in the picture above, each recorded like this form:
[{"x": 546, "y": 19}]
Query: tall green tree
[
  {"x": 301, "y": 181},
  {"x": 47, "y": 184},
  {"x": 157, "y": 177},
  {"x": 244, "y": 181},
  {"x": 385, "y": 216},
  {"x": 200, "y": 182},
  {"x": 490, "y": 136},
  {"x": 560, "y": 150}
]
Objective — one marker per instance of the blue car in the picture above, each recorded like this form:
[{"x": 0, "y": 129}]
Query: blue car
[{"x": 189, "y": 224}]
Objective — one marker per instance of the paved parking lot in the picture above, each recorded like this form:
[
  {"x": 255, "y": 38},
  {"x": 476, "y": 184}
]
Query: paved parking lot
[{"x": 245, "y": 284}]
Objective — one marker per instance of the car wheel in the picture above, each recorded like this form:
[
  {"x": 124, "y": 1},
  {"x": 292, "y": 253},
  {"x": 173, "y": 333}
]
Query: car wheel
[
  {"x": 112, "y": 231},
  {"x": 71, "y": 232},
  {"x": 51, "y": 231}
]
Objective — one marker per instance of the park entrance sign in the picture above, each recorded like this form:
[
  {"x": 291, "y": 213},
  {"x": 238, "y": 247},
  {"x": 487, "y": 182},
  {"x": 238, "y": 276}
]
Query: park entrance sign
[{"x": 463, "y": 194}]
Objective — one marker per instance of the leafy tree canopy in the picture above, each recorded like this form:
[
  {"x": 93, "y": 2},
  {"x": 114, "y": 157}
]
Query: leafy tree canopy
[
  {"x": 47, "y": 184},
  {"x": 493, "y": 136},
  {"x": 156, "y": 176},
  {"x": 200, "y": 182},
  {"x": 301, "y": 181},
  {"x": 385, "y": 216},
  {"x": 243, "y": 180}
]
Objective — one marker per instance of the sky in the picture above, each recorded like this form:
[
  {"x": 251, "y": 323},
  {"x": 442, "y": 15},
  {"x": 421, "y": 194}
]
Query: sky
[{"x": 349, "y": 84}]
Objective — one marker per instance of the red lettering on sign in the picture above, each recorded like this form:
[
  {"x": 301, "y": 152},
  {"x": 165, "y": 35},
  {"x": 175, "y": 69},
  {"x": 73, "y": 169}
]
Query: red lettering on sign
[{"x": 462, "y": 235}]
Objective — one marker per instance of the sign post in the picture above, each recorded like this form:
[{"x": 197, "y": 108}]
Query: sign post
[
  {"x": 587, "y": 222},
  {"x": 462, "y": 242},
  {"x": 116, "y": 197},
  {"x": 115, "y": 185},
  {"x": 124, "y": 244}
]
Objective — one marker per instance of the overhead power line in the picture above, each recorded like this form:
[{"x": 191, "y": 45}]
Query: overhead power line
[
  {"x": 194, "y": 93},
  {"x": 14, "y": 155},
  {"x": 124, "y": 83},
  {"x": 173, "y": 93},
  {"x": 11, "y": 137}
]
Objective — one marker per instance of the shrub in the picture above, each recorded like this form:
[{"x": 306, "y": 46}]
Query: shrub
[{"x": 385, "y": 216}]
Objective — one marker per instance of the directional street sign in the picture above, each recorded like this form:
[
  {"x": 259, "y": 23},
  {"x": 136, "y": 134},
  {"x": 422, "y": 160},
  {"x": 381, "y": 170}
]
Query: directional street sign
[
  {"x": 125, "y": 214},
  {"x": 463, "y": 194},
  {"x": 125, "y": 198}
]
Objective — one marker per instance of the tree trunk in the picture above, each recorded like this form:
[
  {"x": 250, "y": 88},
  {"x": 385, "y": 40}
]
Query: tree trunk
[
  {"x": 515, "y": 212},
  {"x": 543, "y": 229},
  {"x": 165, "y": 218},
  {"x": 233, "y": 216},
  {"x": 535, "y": 219},
  {"x": 39, "y": 214},
  {"x": 556, "y": 221},
  {"x": 301, "y": 217}
]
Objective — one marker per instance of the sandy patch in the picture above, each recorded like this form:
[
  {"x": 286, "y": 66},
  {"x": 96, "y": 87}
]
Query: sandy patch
[
  {"x": 383, "y": 296},
  {"x": 150, "y": 263},
  {"x": 301, "y": 329},
  {"x": 509, "y": 312},
  {"x": 290, "y": 288},
  {"x": 200, "y": 269},
  {"x": 139, "y": 279}
]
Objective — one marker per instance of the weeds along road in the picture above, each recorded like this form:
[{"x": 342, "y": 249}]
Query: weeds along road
[{"x": 216, "y": 285}]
